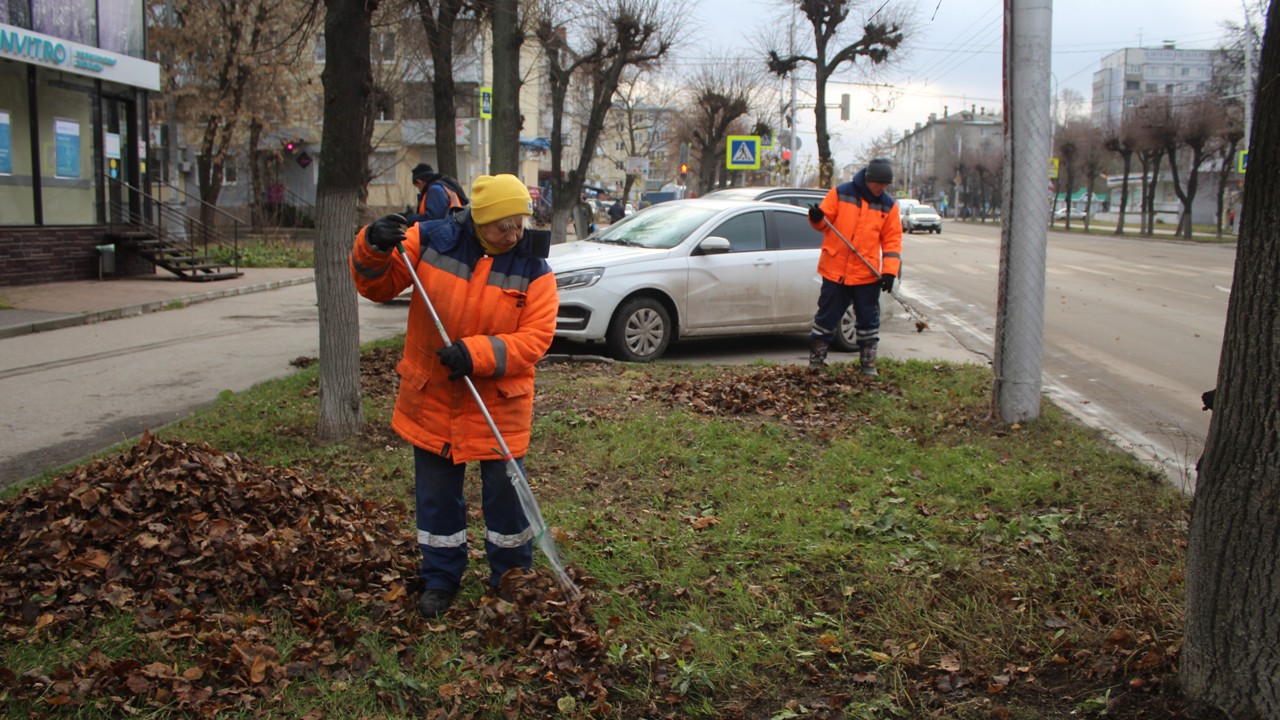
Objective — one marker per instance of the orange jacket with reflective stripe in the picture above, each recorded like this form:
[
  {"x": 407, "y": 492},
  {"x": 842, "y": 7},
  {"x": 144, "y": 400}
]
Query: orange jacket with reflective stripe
[
  {"x": 503, "y": 308},
  {"x": 873, "y": 226},
  {"x": 451, "y": 200}
]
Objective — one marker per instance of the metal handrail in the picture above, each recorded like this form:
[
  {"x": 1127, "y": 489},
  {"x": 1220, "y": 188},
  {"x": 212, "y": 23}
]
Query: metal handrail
[{"x": 155, "y": 211}]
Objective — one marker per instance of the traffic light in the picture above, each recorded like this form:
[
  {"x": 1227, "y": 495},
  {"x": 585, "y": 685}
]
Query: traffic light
[{"x": 684, "y": 171}]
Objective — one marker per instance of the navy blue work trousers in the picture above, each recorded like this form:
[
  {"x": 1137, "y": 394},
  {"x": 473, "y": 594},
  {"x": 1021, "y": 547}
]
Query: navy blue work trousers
[{"x": 442, "y": 520}]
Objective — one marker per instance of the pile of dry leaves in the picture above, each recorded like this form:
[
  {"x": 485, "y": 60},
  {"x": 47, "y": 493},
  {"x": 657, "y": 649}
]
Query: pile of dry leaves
[
  {"x": 205, "y": 551},
  {"x": 793, "y": 395}
]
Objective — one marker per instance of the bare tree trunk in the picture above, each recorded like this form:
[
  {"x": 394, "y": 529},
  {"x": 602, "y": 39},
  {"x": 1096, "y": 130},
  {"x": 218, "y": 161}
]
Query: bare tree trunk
[
  {"x": 504, "y": 147},
  {"x": 348, "y": 88},
  {"x": 1124, "y": 192},
  {"x": 1149, "y": 202},
  {"x": 439, "y": 28},
  {"x": 1225, "y": 155},
  {"x": 1232, "y": 643},
  {"x": 340, "y": 415}
]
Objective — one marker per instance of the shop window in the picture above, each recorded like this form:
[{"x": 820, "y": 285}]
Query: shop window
[
  {"x": 120, "y": 27},
  {"x": 67, "y": 19},
  {"x": 15, "y": 13},
  {"x": 67, "y": 172},
  {"x": 17, "y": 199}
]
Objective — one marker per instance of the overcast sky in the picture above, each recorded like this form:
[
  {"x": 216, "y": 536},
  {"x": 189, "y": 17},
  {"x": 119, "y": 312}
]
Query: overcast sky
[{"x": 954, "y": 58}]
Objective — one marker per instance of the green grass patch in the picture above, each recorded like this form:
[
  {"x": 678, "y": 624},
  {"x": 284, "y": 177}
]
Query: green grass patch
[
  {"x": 268, "y": 254},
  {"x": 754, "y": 542}
]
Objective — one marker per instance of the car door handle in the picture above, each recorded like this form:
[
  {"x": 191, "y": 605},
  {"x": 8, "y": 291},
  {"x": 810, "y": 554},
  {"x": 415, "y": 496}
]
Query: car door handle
[{"x": 762, "y": 262}]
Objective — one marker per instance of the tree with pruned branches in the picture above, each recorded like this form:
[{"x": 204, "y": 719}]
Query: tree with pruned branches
[
  {"x": 721, "y": 94},
  {"x": 587, "y": 46},
  {"x": 882, "y": 33}
]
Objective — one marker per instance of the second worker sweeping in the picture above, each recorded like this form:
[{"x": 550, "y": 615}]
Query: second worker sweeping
[{"x": 867, "y": 215}]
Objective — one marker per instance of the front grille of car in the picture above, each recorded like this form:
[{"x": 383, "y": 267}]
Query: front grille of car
[{"x": 572, "y": 317}]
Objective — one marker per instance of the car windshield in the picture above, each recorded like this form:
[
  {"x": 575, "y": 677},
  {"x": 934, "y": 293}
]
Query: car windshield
[
  {"x": 661, "y": 226},
  {"x": 921, "y": 210}
]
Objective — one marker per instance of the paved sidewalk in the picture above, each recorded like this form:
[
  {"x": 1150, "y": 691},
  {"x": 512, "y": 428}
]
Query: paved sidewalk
[{"x": 37, "y": 308}]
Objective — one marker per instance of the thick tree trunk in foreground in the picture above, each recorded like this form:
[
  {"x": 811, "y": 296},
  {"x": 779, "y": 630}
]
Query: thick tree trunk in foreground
[
  {"x": 1231, "y": 653},
  {"x": 348, "y": 87}
]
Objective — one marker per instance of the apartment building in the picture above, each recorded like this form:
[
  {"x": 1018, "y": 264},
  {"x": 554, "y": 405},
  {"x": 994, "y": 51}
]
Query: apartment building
[
  {"x": 1128, "y": 75},
  {"x": 929, "y": 159}
]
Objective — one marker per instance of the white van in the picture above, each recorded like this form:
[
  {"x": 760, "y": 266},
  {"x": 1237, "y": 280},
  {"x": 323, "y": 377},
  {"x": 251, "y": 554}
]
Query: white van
[{"x": 903, "y": 204}]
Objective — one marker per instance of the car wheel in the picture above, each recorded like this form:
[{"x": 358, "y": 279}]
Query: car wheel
[
  {"x": 847, "y": 334},
  {"x": 640, "y": 331}
]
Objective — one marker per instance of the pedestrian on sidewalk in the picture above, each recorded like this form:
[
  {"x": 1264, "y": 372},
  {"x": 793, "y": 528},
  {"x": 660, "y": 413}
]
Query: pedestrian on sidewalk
[
  {"x": 497, "y": 300},
  {"x": 866, "y": 215}
]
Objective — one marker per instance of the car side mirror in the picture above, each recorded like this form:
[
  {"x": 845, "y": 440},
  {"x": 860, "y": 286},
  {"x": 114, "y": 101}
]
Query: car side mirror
[{"x": 714, "y": 246}]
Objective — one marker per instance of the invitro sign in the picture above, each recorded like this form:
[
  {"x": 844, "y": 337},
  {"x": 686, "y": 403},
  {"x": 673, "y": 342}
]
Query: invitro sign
[{"x": 39, "y": 49}]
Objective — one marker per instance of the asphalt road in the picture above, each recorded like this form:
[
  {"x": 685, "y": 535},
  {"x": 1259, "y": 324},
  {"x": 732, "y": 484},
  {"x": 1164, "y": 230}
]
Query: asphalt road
[
  {"x": 1132, "y": 327},
  {"x": 1133, "y": 331},
  {"x": 72, "y": 392}
]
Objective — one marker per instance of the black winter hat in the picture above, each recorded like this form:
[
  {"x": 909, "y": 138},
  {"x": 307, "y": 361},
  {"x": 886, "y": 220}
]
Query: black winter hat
[
  {"x": 879, "y": 171},
  {"x": 421, "y": 171}
]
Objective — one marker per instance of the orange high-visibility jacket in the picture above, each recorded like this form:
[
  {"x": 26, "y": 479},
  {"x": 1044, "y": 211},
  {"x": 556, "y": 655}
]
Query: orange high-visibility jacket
[
  {"x": 502, "y": 307},
  {"x": 441, "y": 202},
  {"x": 871, "y": 224}
]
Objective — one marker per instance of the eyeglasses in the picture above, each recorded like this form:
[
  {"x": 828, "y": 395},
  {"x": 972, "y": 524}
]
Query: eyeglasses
[{"x": 508, "y": 228}]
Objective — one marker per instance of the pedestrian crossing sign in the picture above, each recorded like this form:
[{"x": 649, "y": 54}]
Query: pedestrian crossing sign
[{"x": 742, "y": 152}]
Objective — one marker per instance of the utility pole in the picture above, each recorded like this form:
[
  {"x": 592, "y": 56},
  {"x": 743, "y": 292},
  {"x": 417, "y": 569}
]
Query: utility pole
[
  {"x": 791, "y": 138},
  {"x": 1248, "y": 74},
  {"x": 1019, "y": 337}
]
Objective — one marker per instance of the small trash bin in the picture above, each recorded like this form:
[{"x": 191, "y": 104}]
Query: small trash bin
[{"x": 106, "y": 260}]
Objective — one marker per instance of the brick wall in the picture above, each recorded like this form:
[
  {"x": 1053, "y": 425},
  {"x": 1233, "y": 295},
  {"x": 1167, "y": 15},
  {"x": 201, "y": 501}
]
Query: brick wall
[{"x": 32, "y": 255}]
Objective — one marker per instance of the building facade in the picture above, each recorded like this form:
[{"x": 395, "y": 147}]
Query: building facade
[
  {"x": 1127, "y": 76},
  {"x": 930, "y": 161},
  {"x": 74, "y": 89}
]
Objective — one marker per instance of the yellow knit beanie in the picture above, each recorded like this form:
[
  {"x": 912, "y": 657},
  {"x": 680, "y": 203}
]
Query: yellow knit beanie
[{"x": 494, "y": 197}]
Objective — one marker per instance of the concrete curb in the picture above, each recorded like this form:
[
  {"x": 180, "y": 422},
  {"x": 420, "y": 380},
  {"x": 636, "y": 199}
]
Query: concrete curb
[{"x": 66, "y": 321}]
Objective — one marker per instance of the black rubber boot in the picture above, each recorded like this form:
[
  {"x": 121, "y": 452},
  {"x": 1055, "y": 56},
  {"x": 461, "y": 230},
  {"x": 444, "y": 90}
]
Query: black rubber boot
[
  {"x": 818, "y": 353},
  {"x": 867, "y": 358},
  {"x": 433, "y": 603}
]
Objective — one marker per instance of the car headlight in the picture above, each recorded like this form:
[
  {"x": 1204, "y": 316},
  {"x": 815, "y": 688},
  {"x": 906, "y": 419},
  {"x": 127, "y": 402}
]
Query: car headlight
[{"x": 578, "y": 279}]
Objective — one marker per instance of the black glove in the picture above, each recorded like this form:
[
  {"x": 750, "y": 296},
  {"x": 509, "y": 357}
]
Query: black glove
[
  {"x": 457, "y": 358},
  {"x": 886, "y": 281},
  {"x": 815, "y": 213},
  {"x": 385, "y": 233}
]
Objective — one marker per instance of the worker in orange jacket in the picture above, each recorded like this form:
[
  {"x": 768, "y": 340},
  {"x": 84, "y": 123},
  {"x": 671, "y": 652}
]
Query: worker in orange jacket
[
  {"x": 438, "y": 195},
  {"x": 867, "y": 216},
  {"x": 498, "y": 301}
]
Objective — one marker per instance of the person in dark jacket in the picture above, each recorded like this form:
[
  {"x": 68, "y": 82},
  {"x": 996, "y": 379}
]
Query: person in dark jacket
[
  {"x": 616, "y": 211},
  {"x": 497, "y": 300},
  {"x": 438, "y": 195}
]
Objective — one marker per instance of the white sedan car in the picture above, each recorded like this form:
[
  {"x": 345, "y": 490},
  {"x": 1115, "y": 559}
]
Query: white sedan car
[{"x": 691, "y": 268}]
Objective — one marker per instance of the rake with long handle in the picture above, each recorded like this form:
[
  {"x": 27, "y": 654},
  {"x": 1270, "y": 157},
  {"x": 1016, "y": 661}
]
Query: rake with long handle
[
  {"x": 528, "y": 502},
  {"x": 921, "y": 323}
]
